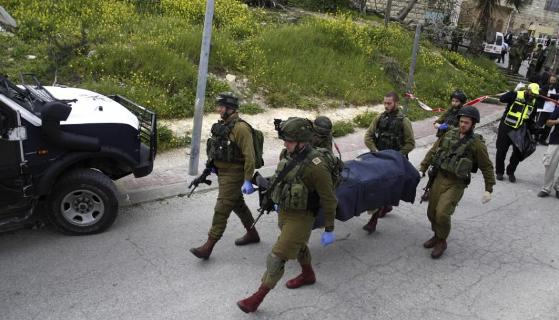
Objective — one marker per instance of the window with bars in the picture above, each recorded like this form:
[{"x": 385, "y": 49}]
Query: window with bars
[{"x": 552, "y": 5}]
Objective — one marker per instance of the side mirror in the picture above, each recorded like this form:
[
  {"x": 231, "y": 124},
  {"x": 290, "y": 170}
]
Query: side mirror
[{"x": 55, "y": 111}]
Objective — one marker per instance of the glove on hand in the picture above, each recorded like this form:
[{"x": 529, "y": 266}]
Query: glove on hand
[
  {"x": 213, "y": 170},
  {"x": 486, "y": 197},
  {"x": 276, "y": 207},
  {"x": 247, "y": 187},
  {"x": 327, "y": 238},
  {"x": 443, "y": 126}
]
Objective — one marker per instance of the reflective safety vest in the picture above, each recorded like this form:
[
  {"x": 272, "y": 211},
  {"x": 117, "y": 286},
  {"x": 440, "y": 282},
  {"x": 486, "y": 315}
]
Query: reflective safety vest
[{"x": 519, "y": 111}]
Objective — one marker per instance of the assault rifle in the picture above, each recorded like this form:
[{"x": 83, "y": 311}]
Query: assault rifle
[
  {"x": 264, "y": 198},
  {"x": 432, "y": 175},
  {"x": 203, "y": 178}
]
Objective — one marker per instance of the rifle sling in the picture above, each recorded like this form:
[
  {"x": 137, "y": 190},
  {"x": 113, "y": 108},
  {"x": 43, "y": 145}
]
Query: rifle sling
[{"x": 290, "y": 165}]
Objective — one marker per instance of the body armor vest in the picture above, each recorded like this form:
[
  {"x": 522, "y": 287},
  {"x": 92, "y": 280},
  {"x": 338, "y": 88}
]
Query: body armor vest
[
  {"x": 519, "y": 111},
  {"x": 454, "y": 154},
  {"x": 220, "y": 147},
  {"x": 291, "y": 192},
  {"x": 390, "y": 131}
]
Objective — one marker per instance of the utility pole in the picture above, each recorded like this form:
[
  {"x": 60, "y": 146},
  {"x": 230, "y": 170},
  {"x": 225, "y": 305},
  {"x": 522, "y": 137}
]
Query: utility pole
[
  {"x": 201, "y": 89},
  {"x": 387, "y": 12},
  {"x": 412, "y": 65}
]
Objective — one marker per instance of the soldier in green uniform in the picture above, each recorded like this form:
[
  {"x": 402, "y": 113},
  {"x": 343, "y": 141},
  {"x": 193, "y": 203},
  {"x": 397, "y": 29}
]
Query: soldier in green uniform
[
  {"x": 322, "y": 137},
  {"x": 302, "y": 183},
  {"x": 449, "y": 119},
  {"x": 230, "y": 151},
  {"x": 389, "y": 130},
  {"x": 453, "y": 157}
]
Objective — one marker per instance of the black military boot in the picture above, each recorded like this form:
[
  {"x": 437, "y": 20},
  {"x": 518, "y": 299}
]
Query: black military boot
[
  {"x": 512, "y": 178},
  {"x": 438, "y": 249},
  {"x": 430, "y": 243},
  {"x": 204, "y": 251},
  {"x": 499, "y": 176},
  {"x": 371, "y": 226},
  {"x": 250, "y": 237}
]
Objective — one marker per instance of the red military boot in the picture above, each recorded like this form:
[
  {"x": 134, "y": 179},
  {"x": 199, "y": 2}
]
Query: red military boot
[
  {"x": 305, "y": 278},
  {"x": 438, "y": 250},
  {"x": 204, "y": 251},
  {"x": 383, "y": 211},
  {"x": 250, "y": 237},
  {"x": 430, "y": 243},
  {"x": 251, "y": 303},
  {"x": 371, "y": 226}
]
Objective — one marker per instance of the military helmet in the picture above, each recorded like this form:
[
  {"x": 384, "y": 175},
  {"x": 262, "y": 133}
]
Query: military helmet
[
  {"x": 534, "y": 88},
  {"x": 470, "y": 112},
  {"x": 460, "y": 95},
  {"x": 227, "y": 99},
  {"x": 296, "y": 129},
  {"x": 322, "y": 125}
]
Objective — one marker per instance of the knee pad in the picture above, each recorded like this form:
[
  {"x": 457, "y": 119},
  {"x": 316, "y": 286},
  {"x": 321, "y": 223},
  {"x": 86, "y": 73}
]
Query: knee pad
[{"x": 274, "y": 264}]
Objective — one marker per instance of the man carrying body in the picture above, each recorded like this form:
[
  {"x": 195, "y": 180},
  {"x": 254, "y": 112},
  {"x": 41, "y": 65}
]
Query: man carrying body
[
  {"x": 231, "y": 154},
  {"x": 389, "y": 130},
  {"x": 302, "y": 183},
  {"x": 322, "y": 137},
  {"x": 453, "y": 157}
]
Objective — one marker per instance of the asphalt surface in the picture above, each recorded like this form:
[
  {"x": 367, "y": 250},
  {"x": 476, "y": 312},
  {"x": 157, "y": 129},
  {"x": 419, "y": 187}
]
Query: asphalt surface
[{"x": 502, "y": 262}]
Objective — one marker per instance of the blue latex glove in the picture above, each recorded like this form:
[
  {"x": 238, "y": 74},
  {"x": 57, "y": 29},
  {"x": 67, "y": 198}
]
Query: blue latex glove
[
  {"x": 327, "y": 238},
  {"x": 443, "y": 126},
  {"x": 276, "y": 207},
  {"x": 247, "y": 187}
]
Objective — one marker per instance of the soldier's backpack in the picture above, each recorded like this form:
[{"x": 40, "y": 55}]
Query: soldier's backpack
[
  {"x": 335, "y": 165},
  {"x": 258, "y": 144}
]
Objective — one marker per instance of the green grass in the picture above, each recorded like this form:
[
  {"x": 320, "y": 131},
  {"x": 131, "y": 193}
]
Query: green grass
[
  {"x": 342, "y": 128},
  {"x": 150, "y": 54},
  {"x": 297, "y": 62},
  {"x": 166, "y": 139},
  {"x": 250, "y": 108},
  {"x": 365, "y": 119}
]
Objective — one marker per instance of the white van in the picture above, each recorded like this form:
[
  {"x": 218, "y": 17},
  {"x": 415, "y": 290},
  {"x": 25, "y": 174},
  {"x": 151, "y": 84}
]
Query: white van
[{"x": 493, "y": 50}]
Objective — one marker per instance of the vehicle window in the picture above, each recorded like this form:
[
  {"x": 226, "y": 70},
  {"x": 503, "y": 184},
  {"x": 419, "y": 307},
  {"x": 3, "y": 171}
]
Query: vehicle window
[
  {"x": 30, "y": 98},
  {"x": 499, "y": 41}
]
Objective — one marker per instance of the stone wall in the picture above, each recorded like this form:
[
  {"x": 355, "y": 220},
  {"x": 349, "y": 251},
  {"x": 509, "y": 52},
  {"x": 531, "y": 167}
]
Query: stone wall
[
  {"x": 416, "y": 14},
  {"x": 423, "y": 10},
  {"x": 544, "y": 21}
]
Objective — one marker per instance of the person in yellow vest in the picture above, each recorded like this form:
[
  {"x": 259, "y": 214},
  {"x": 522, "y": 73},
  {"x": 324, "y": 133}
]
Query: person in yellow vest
[{"x": 519, "y": 112}]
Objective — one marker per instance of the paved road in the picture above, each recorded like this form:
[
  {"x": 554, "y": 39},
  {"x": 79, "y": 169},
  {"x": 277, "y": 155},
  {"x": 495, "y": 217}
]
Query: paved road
[{"x": 502, "y": 263}]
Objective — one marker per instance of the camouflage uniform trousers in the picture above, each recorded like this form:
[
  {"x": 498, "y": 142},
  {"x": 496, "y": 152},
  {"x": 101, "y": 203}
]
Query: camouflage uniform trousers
[
  {"x": 446, "y": 192},
  {"x": 229, "y": 199},
  {"x": 292, "y": 242}
]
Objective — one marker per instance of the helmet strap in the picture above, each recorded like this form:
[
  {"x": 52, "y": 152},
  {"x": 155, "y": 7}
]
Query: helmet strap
[{"x": 227, "y": 114}]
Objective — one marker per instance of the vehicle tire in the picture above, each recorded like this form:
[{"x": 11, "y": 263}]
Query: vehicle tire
[{"x": 83, "y": 202}]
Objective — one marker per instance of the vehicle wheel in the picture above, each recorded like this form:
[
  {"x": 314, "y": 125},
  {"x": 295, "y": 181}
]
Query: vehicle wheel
[{"x": 83, "y": 202}]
